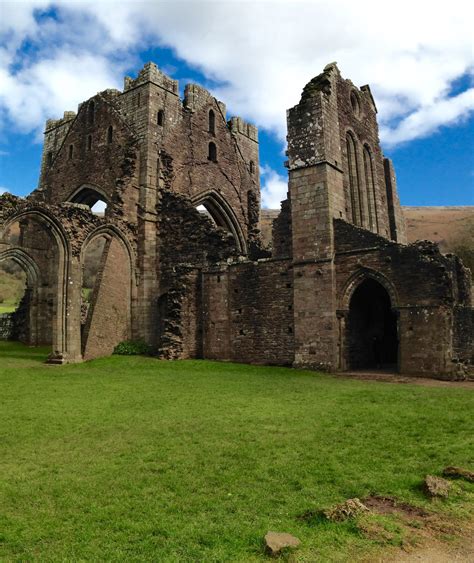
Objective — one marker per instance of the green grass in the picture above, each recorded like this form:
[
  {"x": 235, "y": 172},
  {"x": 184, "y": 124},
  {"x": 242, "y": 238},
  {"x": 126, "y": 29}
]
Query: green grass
[
  {"x": 12, "y": 288},
  {"x": 131, "y": 458},
  {"x": 7, "y": 307}
]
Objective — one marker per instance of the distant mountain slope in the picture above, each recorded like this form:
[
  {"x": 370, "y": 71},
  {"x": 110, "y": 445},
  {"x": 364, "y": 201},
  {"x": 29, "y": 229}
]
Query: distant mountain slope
[
  {"x": 451, "y": 227},
  {"x": 448, "y": 226}
]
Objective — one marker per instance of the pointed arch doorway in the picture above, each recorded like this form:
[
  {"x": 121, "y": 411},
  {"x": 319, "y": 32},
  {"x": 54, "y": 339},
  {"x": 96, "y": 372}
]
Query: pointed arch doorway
[{"x": 372, "y": 328}]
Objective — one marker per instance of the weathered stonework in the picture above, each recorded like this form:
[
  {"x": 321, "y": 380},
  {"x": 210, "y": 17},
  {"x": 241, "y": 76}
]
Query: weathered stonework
[{"x": 183, "y": 265}]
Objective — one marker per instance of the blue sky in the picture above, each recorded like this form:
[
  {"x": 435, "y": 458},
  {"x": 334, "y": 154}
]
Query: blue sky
[{"x": 256, "y": 57}]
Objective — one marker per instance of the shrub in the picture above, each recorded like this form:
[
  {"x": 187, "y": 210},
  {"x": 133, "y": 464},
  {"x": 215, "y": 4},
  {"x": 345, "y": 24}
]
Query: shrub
[{"x": 132, "y": 348}]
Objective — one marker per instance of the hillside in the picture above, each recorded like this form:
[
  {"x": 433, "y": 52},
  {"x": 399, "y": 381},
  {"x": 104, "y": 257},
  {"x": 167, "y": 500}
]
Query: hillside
[
  {"x": 448, "y": 226},
  {"x": 451, "y": 227},
  {"x": 12, "y": 284}
]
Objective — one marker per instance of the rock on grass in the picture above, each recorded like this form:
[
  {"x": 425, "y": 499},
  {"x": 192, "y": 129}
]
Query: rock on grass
[
  {"x": 436, "y": 486},
  {"x": 348, "y": 509},
  {"x": 278, "y": 542}
]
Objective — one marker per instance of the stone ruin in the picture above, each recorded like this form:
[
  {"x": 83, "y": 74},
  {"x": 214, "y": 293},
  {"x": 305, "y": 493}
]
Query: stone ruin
[{"x": 182, "y": 264}]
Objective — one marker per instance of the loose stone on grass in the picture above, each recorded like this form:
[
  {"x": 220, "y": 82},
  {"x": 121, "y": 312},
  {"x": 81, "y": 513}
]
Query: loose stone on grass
[
  {"x": 348, "y": 509},
  {"x": 459, "y": 473},
  {"x": 278, "y": 542},
  {"x": 436, "y": 486}
]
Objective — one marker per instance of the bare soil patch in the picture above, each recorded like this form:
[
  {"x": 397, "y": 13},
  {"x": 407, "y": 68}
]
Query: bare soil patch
[
  {"x": 462, "y": 551},
  {"x": 391, "y": 377},
  {"x": 388, "y": 505},
  {"x": 423, "y": 532}
]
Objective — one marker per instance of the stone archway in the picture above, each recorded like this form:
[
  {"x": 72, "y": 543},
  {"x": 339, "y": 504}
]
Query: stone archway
[
  {"x": 45, "y": 241},
  {"x": 371, "y": 328},
  {"x": 24, "y": 323}
]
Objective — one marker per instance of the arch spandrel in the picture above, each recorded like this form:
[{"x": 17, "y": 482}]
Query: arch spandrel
[{"x": 359, "y": 277}]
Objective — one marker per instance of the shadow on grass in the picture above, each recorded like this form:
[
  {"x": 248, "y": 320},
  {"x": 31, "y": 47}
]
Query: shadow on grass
[{"x": 18, "y": 351}]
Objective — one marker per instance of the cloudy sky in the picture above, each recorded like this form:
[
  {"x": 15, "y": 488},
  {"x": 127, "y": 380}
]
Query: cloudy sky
[{"x": 417, "y": 56}]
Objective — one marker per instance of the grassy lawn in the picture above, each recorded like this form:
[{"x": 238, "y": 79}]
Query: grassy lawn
[
  {"x": 130, "y": 458},
  {"x": 8, "y": 307}
]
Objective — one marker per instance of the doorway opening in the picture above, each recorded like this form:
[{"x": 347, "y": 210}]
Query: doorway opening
[{"x": 372, "y": 328}]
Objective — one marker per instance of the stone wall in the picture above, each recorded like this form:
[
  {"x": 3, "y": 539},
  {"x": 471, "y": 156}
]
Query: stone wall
[
  {"x": 6, "y": 326},
  {"x": 248, "y": 312},
  {"x": 424, "y": 286},
  {"x": 108, "y": 319}
]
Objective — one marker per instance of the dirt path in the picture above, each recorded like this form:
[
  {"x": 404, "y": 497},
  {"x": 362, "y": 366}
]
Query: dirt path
[
  {"x": 436, "y": 552},
  {"x": 388, "y": 377}
]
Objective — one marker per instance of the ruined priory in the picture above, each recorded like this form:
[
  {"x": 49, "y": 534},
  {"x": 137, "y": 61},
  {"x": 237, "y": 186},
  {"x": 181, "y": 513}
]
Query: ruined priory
[{"x": 182, "y": 264}]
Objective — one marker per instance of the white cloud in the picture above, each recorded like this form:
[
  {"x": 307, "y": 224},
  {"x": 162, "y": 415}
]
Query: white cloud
[
  {"x": 3, "y": 190},
  {"x": 274, "y": 188},
  {"x": 428, "y": 119},
  {"x": 52, "y": 85},
  {"x": 262, "y": 52}
]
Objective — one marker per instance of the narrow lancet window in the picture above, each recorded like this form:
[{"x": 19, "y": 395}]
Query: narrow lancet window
[
  {"x": 212, "y": 152},
  {"x": 110, "y": 134},
  {"x": 370, "y": 187},
  {"x": 89, "y": 142},
  {"x": 354, "y": 184},
  {"x": 71, "y": 151},
  {"x": 212, "y": 122},
  {"x": 160, "y": 118}
]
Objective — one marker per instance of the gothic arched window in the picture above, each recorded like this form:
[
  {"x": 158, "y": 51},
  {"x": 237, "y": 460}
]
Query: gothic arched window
[
  {"x": 370, "y": 187},
  {"x": 354, "y": 177}
]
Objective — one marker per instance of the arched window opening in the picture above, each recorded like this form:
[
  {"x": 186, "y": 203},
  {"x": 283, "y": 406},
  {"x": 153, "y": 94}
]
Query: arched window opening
[
  {"x": 91, "y": 197},
  {"x": 354, "y": 183},
  {"x": 160, "y": 118},
  {"x": 89, "y": 142},
  {"x": 370, "y": 187},
  {"x": 91, "y": 112},
  {"x": 355, "y": 103},
  {"x": 71, "y": 151},
  {"x": 212, "y": 155},
  {"x": 372, "y": 332},
  {"x": 99, "y": 208},
  {"x": 212, "y": 122},
  {"x": 217, "y": 210},
  {"x": 252, "y": 167},
  {"x": 110, "y": 134}
]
